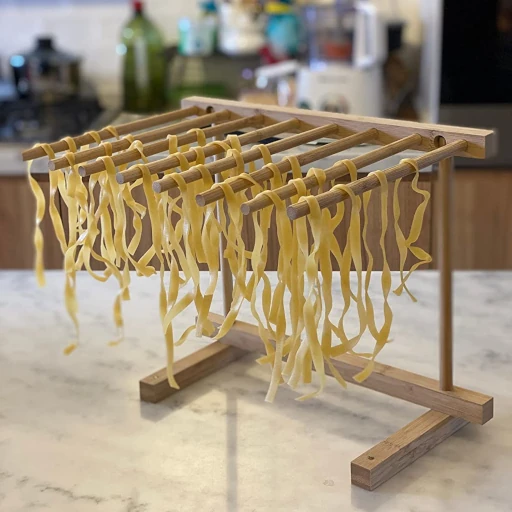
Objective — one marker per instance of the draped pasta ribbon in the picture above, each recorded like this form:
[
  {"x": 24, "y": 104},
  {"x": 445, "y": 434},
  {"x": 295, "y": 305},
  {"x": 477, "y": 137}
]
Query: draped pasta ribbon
[
  {"x": 404, "y": 244},
  {"x": 304, "y": 270},
  {"x": 381, "y": 336},
  {"x": 40, "y": 210}
]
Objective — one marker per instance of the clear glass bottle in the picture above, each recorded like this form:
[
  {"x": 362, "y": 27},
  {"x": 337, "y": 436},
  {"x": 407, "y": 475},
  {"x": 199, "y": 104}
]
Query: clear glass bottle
[{"x": 144, "y": 66}]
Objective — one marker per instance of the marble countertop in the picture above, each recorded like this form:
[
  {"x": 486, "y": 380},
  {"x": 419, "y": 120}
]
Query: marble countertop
[{"x": 74, "y": 436}]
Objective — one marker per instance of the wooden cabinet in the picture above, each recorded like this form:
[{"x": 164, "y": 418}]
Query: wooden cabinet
[
  {"x": 482, "y": 223},
  {"x": 409, "y": 201},
  {"x": 17, "y": 213},
  {"x": 17, "y": 217}
]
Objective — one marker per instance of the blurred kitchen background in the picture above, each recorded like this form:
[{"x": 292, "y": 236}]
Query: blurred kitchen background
[{"x": 67, "y": 66}]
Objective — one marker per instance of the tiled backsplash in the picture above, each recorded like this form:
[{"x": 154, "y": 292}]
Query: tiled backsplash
[{"x": 90, "y": 28}]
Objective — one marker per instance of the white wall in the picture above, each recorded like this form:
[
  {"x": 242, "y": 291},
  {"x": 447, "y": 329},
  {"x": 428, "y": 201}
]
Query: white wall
[{"x": 90, "y": 28}]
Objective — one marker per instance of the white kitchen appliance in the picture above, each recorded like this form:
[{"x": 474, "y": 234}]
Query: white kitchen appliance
[
  {"x": 242, "y": 28},
  {"x": 341, "y": 66}
]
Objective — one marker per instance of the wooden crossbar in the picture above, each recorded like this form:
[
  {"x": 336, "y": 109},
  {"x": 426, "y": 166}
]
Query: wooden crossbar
[
  {"x": 205, "y": 361},
  {"x": 411, "y": 387},
  {"x": 417, "y": 389},
  {"x": 377, "y": 465},
  {"x": 481, "y": 143}
]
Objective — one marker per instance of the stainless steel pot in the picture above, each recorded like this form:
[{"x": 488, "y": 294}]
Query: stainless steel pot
[{"x": 45, "y": 73}]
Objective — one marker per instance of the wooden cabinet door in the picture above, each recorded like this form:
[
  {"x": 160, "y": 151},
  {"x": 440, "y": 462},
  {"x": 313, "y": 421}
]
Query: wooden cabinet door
[
  {"x": 146, "y": 240},
  {"x": 482, "y": 219},
  {"x": 17, "y": 219},
  {"x": 409, "y": 201},
  {"x": 17, "y": 216}
]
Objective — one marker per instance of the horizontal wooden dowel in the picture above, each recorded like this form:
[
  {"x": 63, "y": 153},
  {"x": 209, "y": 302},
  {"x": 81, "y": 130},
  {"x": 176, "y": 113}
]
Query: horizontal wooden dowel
[
  {"x": 134, "y": 173},
  {"x": 223, "y": 164},
  {"x": 122, "y": 129},
  {"x": 153, "y": 148},
  {"x": 247, "y": 138},
  {"x": 284, "y": 166},
  {"x": 333, "y": 197},
  {"x": 254, "y": 154},
  {"x": 144, "y": 137},
  {"x": 332, "y": 173}
]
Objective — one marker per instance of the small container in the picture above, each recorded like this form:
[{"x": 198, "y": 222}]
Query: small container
[
  {"x": 241, "y": 29},
  {"x": 282, "y": 31},
  {"x": 197, "y": 37}
]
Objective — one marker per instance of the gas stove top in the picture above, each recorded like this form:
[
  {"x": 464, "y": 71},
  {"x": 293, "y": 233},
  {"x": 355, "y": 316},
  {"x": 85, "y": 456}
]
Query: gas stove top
[
  {"x": 24, "y": 122},
  {"x": 29, "y": 121}
]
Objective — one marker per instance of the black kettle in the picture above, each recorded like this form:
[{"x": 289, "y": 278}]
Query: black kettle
[{"x": 46, "y": 74}]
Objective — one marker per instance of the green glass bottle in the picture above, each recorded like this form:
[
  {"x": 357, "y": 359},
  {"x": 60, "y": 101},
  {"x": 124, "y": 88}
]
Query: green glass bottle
[{"x": 144, "y": 69}]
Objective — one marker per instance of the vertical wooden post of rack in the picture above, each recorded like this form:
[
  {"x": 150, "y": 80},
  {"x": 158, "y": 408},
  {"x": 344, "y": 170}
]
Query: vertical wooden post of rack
[
  {"x": 227, "y": 278},
  {"x": 445, "y": 269}
]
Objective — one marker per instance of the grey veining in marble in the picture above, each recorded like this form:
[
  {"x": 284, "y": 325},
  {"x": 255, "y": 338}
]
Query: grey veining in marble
[{"x": 74, "y": 436}]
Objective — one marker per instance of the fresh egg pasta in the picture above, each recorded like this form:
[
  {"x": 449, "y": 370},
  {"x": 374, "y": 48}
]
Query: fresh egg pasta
[{"x": 294, "y": 315}]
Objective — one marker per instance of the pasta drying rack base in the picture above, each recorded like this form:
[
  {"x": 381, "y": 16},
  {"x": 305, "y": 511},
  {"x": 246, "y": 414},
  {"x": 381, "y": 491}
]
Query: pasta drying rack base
[{"x": 448, "y": 410}]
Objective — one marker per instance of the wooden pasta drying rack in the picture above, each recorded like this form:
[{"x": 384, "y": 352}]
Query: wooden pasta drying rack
[{"x": 449, "y": 407}]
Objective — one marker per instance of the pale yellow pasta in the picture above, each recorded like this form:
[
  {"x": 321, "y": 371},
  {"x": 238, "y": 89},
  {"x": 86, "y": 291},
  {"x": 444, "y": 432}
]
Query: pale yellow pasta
[
  {"x": 294, "y": 316},
  {"x": 310, "y": 299},
  {"x": 40, "y": 211}
]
